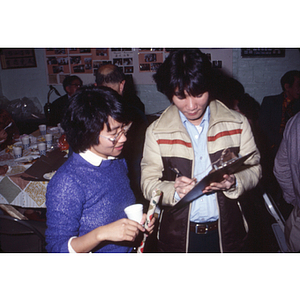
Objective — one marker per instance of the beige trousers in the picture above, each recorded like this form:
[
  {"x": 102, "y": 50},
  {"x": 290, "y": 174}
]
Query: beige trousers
[{"x": 292, "y": 230}]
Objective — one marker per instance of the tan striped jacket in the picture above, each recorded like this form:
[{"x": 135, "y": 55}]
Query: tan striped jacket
[{"x": 168, "y": 144}]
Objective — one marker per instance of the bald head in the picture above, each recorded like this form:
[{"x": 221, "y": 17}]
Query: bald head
[
  {"x": 107, "y": 69},
  {"x": 111, "y": 76}
]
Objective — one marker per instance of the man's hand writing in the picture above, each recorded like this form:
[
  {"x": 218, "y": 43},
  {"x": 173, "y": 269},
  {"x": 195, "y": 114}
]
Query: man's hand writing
[{"x": 183, "y": 185}]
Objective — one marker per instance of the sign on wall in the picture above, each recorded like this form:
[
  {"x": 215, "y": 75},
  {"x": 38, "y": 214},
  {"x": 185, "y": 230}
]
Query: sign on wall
[
  {"x": 262, "y": 52},
  {"x": 16, "y": 58}
]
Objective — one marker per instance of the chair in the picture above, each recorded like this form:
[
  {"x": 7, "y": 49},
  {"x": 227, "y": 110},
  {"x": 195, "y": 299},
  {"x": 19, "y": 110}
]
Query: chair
[
  {"x": 20, "y": 236},
  {"x": 278, "y": 227}
]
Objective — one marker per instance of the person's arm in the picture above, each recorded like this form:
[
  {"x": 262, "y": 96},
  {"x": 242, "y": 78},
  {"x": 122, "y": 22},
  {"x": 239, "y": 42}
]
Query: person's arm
[
  {"x": 152, "y": 170},
  {"x": 248, "y": 178},
  {"x": 283, "y": 173},
  {"x": 121, "y": 230}
]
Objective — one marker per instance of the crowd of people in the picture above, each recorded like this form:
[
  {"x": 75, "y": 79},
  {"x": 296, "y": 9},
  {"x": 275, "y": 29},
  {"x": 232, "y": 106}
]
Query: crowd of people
[{"x": 118, "y": 159}]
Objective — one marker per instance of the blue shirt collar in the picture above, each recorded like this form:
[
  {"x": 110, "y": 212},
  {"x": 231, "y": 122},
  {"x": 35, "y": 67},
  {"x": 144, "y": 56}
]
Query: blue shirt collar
[{"x": 205, "y": 118}]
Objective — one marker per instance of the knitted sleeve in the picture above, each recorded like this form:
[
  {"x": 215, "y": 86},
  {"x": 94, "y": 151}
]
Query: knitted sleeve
[{"x": 64, "y": 201}]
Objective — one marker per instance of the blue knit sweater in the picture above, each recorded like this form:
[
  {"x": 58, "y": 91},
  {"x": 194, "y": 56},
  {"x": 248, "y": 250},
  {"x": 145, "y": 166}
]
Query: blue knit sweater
[{"x": 81, "y": 197}]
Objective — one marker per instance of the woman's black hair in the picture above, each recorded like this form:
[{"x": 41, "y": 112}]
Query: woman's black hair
[
  {"x": 184, "y": 70},
  {"x": 88, "y": 111}
]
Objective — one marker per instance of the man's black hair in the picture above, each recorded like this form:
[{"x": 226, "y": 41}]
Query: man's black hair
[
  {"x": 184, "y": 70},
  {"x": 289, "y": 78},
  {"x": 69, "y": 80}
]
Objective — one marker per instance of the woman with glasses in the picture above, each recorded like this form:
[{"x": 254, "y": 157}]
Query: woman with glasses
[{"x": 87, "y": 195}]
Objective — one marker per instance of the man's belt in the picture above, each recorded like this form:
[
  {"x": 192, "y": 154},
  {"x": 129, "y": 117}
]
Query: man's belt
[{"x": 203, "y": 228}]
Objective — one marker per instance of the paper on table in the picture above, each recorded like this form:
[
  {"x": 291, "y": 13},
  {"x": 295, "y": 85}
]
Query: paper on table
[{"x": 46, "y": 164}]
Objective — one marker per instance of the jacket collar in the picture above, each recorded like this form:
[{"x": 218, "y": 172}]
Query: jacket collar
[{"x": 170, "y": 119}]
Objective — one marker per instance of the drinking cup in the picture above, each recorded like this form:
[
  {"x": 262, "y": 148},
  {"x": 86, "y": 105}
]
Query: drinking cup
[
  {"x": 42, "y": 148},
  {"x": 48, "y": 138},
  {"x": 43, "y": 129},
  {"x": 134, "y": 212},
  {"x": 17, "y": 152},
  {"x": 33, "y": 140},
  {"x": 26, "y": 142}
]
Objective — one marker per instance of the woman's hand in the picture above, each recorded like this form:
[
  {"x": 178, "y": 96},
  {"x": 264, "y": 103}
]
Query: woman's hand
[
  {"x": 150, "y": 225},
  {"x": 183, "y": 185},
  {"x": 121, "y": 230},
  {"x": 226, "y": 184}
]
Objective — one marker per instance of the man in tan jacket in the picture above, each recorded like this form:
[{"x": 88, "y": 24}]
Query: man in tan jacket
[{"x": 190, "y": 137}]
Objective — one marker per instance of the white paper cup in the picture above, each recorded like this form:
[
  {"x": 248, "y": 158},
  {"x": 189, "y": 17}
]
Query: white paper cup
[
  {"x": 134, "y": 212},
  {"x": 17, "y": 152},
  {"x": 48, "y": 138},
  {"x": 42, "y": 148},
  {"x": 26, "y": 142},
  {"x": 33, "y": 140},
  {"x": 43, "y": 129},
  {"x": 61, "y": 131}
]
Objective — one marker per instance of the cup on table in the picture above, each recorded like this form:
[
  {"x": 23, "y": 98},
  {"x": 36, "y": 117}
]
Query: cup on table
[
  {"x": 48, "y": 138},
  {"x": 43, "y": 129},
  {"x": 17, "y": 152},
  {"x": 26, "y": 142},
  {"x": 61, "y": 131},
  {"x": 42, "y": 148},
  {"x": 134, "y": 212},
  {"x": 33, "y": 140}
]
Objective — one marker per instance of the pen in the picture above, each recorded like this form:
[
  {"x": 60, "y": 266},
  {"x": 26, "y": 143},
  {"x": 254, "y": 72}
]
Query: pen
[
  {"x": 178, "y": 174},
  {"x": 176, "y": 171}
]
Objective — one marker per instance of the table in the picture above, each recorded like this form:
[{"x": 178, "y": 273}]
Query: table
[{"x": 17, "y": 191}]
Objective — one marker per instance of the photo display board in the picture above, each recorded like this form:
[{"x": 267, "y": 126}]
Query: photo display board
[{"x": 141, "y": 63}]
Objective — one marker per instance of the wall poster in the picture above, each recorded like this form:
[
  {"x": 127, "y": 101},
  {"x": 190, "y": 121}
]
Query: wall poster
[{"x": 139, "y": 63}]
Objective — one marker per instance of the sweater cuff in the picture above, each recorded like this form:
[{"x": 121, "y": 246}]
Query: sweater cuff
[{"x": 70, "y": 249}]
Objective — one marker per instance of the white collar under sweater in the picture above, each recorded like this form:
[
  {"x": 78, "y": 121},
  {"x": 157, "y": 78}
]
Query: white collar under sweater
[{"x": 93, "y": 158}]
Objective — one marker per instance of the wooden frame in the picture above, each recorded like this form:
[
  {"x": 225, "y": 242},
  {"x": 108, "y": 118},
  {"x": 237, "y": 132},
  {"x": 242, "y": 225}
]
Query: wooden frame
[{"x": 16, "y": 58}]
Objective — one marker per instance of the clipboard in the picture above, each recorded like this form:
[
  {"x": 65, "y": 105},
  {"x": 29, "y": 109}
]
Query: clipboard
[{"x": 216, "y": 175}]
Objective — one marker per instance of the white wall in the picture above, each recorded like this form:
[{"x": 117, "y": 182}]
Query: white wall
[
  {"x": 261, "y": 76},
  {"x": 27, "y": 82}
]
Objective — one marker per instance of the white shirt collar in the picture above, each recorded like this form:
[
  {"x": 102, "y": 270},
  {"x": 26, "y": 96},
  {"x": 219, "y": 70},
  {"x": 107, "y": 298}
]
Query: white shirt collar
[{"x": 93, "y": 158}]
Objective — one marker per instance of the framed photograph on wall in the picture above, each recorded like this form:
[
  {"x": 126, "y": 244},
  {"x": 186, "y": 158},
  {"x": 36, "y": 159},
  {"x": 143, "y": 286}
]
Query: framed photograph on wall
[{"x": 17, "y": 58}]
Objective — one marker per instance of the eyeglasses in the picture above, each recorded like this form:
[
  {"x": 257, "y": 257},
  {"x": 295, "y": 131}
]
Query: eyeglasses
[
  {"x": 77, "y": 85},
  {"x": 115, "y": 139}
]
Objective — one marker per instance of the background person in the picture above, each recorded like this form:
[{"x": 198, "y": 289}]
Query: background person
[
  {"x": 274, "y": 113},
  {"x": 9, "y": 131},
  {"x": 287, "y": 173},
  {"x": 112, "y": 76},
  {"x": 58, "y": 107},
  {"x": 276, "y": 110}
]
